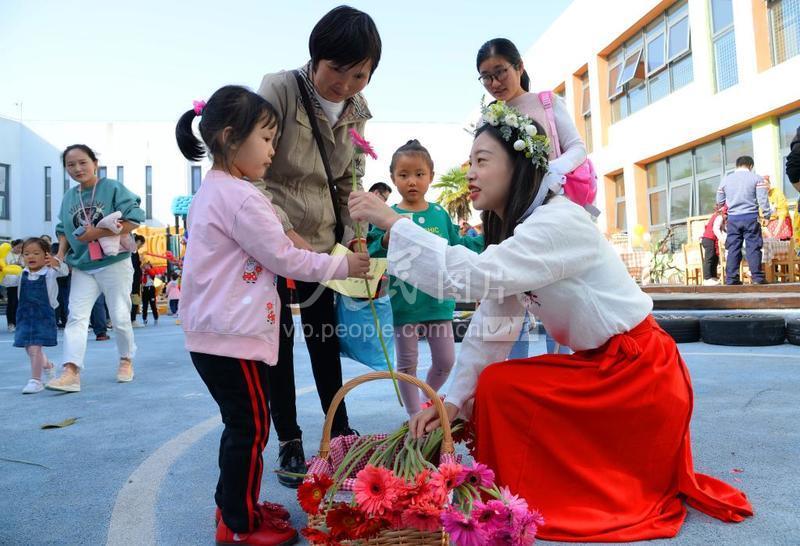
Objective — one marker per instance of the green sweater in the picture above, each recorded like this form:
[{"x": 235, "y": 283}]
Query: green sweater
[
  {"x": 409, "y": 305},
  {"x": 110, "y": 196}
]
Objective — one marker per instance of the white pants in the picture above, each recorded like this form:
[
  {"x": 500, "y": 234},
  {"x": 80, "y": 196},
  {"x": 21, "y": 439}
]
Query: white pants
[{"x": 115, "y": 283}]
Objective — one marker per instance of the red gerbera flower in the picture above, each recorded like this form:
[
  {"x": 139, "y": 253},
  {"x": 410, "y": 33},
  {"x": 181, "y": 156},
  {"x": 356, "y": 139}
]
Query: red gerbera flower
[
  {"x": 424, "y": 517},
  {"x": 343, "y": 520},
  {"x": 311, "y": 492},
  {"x": 448, "y": 476},
  {"x": 362, "y": 144},
  {"x": 315, "y": 536},
  {"x": 375, "y": 490}
]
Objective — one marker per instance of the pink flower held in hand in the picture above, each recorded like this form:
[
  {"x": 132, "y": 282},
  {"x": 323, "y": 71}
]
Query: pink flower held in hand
[
  {"x": 463, "y": 531},
  {"x": 477, "y": 475},
  {"x": 375, "y": 490},
  {"x": 362, "y": 144}
]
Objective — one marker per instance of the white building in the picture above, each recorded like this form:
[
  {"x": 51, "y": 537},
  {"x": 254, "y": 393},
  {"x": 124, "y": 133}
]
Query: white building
[
  {"x": 145, "y": 157},
  {"x": 669, "y": 93}
]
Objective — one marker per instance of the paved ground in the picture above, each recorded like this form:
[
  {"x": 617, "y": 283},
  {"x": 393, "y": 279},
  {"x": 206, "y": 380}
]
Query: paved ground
[{"x": 139, "y": 466}]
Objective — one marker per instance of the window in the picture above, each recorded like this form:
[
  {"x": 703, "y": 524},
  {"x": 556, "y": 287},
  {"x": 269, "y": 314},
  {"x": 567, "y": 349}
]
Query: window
[
  {"x": 686, "y": 184},
  {"x": 102, "y": 173},
  {"x": 196, "y": 178},
  {"x": 726, "y": 73},
  {"x": 48, "y": 191},
  {"x": 66, "y": 181},
  {"x": 654, "y": 63},
  {"x": 5, "y": 183},
  {"x": 788, "y": 126},
  {"x": 784, "y": 29},
  {"x": 120, "y": 174},
  {"x": 586, "y": 112},
  {"x": 619, "y": 199},
  {"x": 148, "y": 192}
]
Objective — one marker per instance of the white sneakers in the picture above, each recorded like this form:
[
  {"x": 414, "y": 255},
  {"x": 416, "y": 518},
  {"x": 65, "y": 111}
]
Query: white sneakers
[
  {"x": 33, "y": 386},
  {"x": 711, "y": 282}
]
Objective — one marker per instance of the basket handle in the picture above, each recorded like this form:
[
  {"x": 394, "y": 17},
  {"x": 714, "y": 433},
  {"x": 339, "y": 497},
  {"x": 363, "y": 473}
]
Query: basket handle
[{"x": 325, "y": 444}]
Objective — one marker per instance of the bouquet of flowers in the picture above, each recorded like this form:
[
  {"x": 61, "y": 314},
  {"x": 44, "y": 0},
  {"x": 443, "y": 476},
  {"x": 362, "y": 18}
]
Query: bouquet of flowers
[{"x": 404, "y": 493}]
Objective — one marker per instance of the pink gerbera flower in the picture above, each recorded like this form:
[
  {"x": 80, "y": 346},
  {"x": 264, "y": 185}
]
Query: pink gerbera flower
[
  {"x": 375, "y": 490},
  {"x": 477, "y": 475},
  {"x": 490, "y": 517},
  {"x": 362, "y": 144},
  {"x": 463, "y": 531},
  {"x": 518, "y": 506}
]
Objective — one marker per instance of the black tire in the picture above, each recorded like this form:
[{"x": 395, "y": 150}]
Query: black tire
[
  {"x": 682, "y": 328},
  {"x": 743, "y": 330},
  {"x": 793, "y": 331},
  {"x": 460, "y": 327}
]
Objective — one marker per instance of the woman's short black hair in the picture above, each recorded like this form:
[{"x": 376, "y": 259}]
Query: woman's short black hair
[
  {"x": 230, "y": 106},
  {"x": 526, "y": 178},
  {"x": 81, "y": 147},
  {"x": 505, "y": 48},
  {"x": 381, "y": 187},
  {"x": 346, "y": 37},
  {"x": 16, "y": 242}
]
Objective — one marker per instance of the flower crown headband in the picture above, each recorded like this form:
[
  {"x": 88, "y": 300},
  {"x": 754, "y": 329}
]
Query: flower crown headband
[{"x": 519, "y": 129}]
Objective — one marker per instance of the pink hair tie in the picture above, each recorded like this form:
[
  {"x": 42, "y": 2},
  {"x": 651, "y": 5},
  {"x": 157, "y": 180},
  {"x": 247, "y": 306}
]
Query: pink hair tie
[{"x": 198, "y": 106}]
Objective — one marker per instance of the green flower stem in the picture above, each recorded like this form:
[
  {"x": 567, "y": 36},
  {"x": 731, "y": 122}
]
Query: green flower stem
[{"x": 359, "y": 236}]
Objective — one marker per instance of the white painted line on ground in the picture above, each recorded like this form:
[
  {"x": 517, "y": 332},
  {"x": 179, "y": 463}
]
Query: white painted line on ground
[{"x": 133, "y": 519}]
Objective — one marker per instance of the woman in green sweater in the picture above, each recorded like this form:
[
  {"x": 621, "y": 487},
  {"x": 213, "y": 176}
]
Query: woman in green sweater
[{"x": 416, "y": 312}]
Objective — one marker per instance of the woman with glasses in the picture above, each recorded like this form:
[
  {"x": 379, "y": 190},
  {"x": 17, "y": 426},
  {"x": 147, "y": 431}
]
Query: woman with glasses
[{"x": 503, "y": 74}]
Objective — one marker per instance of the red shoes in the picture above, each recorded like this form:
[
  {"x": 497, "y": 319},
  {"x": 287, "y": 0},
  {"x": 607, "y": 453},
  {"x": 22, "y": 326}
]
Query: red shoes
[
  {"x": 265, "y": 535},
  {"x": 268, "y": 511},
  {"x": 274, "y": 529}
]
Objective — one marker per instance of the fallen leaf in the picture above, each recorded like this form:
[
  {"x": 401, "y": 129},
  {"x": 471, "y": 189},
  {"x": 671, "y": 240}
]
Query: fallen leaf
[
  {"x": 62, "y": 424},
  {"x": 737, "y": 471}
]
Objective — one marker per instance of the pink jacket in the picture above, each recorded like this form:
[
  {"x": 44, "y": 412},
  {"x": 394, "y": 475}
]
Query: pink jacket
[{"x": 236, "y": 247}]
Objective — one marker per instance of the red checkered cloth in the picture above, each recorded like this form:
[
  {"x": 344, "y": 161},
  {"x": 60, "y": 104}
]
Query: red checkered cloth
[{"x": 340, "y": 446}]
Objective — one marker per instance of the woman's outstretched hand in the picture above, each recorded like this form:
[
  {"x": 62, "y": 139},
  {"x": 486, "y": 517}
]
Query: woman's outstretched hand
[
  {"x": 428, "y": 420},
  {"x": 368, "y": 207}
]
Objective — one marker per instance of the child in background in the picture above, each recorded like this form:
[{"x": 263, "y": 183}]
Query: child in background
[
  {"x": 411, "y": 170},
  {"x": 174, "y": 294},
  {"x": 38, "y": 297},
  {"x": 713, "y": 236},
  {"x": 236, "y": 249},
  {"x": 11, "y": 284},
  {"x": 149, "y": 292}
]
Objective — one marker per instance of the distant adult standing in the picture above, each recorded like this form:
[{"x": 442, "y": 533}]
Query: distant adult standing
[
  {"x": 382, "y": 190},
  {"x": 744, "y": 192},
  {"x": 92, "y": 272},
  {"x": 11, "y": 284},
  {"x": 136, "y": 286},
  {"x": 309, "y": 186}
]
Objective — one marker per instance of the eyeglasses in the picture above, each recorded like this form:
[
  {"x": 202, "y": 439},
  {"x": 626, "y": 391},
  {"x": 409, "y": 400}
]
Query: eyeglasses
[{"x": 499, "y": 75}]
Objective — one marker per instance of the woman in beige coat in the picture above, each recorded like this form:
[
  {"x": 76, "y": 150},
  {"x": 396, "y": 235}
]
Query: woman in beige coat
[{"x": 345, "y": 50}]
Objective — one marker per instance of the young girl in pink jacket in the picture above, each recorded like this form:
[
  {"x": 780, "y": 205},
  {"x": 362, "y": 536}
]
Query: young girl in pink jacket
[{"x": 229, "y": 304}]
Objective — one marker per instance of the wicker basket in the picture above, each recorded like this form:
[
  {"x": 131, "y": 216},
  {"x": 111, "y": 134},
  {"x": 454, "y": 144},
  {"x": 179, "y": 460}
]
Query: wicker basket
[{"x": 388, "y": 537}]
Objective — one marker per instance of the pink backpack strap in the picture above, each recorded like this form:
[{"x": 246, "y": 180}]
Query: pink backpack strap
[{"x": 546, "y": 97}]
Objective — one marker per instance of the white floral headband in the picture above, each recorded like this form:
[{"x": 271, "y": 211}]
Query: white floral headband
[{"x": 519, "y": 129}]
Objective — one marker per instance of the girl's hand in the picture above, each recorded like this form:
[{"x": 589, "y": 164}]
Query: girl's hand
[
  {"x": 428, "y": 420},
  {"x": 357, "y": 245},
  {"x": 358, "y": 265},
  {"x": 368, "y": 207},
  {"x": 54, "y": 261}
]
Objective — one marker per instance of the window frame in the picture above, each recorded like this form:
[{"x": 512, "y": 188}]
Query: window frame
[
  {"x": 121, "y": 174},
  {"x": 192, "y": 170},
  {"x": 148, "y": 192},
  {"x": 717, "y": 36},
  {"x": 5, "y": 209},
  {"x": 102, "y": 172},
  {"x": 48, "y": 194},
  {"x": 620, "y": 200},
  {"x": 771, "y": 6},
  {"x": 672, "y": 24}
]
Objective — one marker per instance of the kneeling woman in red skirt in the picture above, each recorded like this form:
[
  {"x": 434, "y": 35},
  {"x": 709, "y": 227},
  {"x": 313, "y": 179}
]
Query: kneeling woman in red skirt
[{"x": 597, "y": 440}]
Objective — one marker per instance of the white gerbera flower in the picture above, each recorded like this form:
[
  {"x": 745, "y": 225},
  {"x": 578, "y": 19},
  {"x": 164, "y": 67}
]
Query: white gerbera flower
[
  {"x": 519, "y": 145},
  {"x": 490, "y": 118},
  {"x": 531, "y": 130}
]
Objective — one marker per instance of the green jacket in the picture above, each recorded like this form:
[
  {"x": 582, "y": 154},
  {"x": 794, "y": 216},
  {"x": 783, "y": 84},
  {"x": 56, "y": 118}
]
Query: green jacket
[
  {"x": 409, "y": 305},
  {"x": 110, "y": 196}
]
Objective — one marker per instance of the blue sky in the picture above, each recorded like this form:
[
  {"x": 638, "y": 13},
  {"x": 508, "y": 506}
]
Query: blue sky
[{"x": 93, "y": 60}]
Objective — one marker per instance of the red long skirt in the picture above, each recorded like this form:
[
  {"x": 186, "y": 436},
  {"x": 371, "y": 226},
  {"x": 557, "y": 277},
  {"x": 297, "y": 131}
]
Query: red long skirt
[{"x": 599, "y": 440}]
